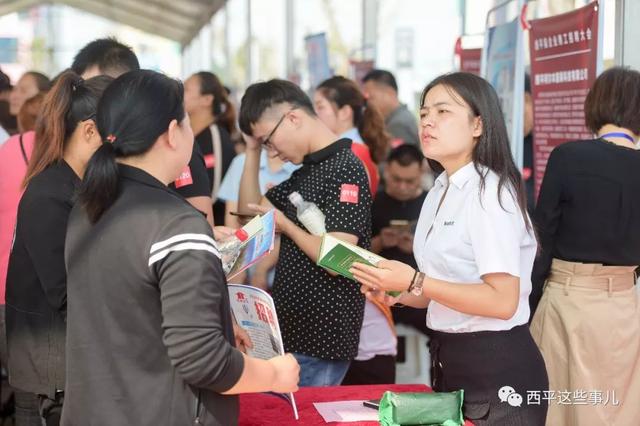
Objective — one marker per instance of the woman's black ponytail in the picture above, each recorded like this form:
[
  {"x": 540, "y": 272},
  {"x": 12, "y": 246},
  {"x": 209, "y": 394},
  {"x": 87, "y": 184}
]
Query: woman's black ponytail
[
  {"x": 100, "y": 183},
  {"x": 71, "y": 101},
  {"x": 134, "y": 111}
]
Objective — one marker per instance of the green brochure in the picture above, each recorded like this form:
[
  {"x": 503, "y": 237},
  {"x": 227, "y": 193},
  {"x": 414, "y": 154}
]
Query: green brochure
[{"x": 338, "y": 256}]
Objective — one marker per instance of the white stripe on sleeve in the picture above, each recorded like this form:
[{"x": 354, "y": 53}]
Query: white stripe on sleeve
[
  {"x": 180, "y": 247},
  {"x": 182, "y": 237}
]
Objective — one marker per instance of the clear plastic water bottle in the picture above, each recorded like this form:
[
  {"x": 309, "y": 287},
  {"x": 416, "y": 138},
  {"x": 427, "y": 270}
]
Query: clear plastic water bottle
[
  {"x": 308, "y": 214},
  {"x": 230, "y": 249}
]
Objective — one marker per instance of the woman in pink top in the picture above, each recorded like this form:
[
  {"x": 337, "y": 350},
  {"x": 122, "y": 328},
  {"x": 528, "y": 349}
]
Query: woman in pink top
[
  {"x": 14, "y": 155},
  {"x": 13, "y": 166}
]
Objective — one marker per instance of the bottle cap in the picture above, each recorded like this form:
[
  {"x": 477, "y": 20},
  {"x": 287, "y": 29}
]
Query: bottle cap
[
  {"x": 295, "y": 198},
  {"x": 241, "y": 234}
]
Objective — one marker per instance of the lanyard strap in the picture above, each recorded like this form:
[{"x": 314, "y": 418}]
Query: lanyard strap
[
  {"x": 24, "y": 152},
  {"x": 618, "y": 135}
]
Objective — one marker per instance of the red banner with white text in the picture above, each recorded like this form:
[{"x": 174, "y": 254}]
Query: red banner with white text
[
  {"x": 564, "y": 56},
  {"x": 470, "y": 60}
]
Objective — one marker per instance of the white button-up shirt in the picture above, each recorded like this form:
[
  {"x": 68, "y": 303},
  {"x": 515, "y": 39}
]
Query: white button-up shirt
[{"x": 471, "y": 235}]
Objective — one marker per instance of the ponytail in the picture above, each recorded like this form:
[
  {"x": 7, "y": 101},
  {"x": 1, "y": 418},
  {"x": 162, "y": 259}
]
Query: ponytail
[
  {"x": 371, "y": 128},
  {"x": 227, "y": 116},
  {"x": 70, "y": 101},
  {"x": 341, "y": 91},
  {"x": 135, "y": 110},
  {"x": 222, "y": 109},
  {"x": 51, "y": 129},
  {"x": 100, "y": 183}
]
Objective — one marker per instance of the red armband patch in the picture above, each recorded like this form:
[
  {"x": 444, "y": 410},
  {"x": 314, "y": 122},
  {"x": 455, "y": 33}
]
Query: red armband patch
[
  {"x": 349, "y": 193},
  {"x": 209, "y": 161},
  {"x": 184, "y": 179}
]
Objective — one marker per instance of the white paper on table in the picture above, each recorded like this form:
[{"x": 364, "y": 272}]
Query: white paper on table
[{"x": 345, "y": 411}]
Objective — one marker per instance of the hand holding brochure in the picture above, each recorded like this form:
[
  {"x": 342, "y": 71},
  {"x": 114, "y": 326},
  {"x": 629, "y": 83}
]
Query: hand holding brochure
[
  {"x": 255, "y": 312},
  {"x": 338, "y": 256},
  {"x": 261, "y": 231}
]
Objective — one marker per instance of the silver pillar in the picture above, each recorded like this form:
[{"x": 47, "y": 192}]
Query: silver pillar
[
  {"x": 289, "y": 35},
  {"x": 249, "y": 48},
  {"x": 369, "y": 29},
  {"x": 627, "y": 33}
]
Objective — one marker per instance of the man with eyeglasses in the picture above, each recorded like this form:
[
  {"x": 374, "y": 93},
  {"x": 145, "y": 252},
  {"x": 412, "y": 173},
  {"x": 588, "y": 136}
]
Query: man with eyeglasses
[{"x": 320, "y": 314}]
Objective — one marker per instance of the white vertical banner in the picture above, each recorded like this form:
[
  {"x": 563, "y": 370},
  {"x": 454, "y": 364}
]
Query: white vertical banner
[{"x": 503, "y": 67}]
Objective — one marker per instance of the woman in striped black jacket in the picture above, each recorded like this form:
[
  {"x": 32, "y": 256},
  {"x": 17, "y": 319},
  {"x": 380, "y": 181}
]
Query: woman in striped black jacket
[{"x": 150, "y": 337}]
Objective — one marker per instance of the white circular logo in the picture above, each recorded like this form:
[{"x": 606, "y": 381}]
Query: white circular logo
[
  {"x": 515, "y": 400},
  {"x": 504, "y": 393}
]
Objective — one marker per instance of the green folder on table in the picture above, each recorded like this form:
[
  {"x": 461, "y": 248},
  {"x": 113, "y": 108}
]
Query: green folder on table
[{"x": 421, "y": 409}]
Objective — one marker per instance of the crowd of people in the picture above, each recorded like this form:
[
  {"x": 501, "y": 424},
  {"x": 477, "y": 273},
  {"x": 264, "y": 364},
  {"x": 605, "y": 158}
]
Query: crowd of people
[{"x": 118, "y": 185}]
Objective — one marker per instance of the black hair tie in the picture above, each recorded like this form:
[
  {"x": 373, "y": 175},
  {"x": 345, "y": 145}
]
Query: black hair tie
[{"x": 77, "y": 83}]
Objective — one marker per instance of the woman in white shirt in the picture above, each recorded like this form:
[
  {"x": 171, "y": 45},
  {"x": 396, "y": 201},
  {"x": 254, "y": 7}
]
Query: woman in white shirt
[{"x": 475, "y": 247}]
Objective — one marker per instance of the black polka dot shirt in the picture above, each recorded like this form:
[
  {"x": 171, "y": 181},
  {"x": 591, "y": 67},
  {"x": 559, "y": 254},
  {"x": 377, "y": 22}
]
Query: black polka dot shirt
[{"x": 321, "y": 315}]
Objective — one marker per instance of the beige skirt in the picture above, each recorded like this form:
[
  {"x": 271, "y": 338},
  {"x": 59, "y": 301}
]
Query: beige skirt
[{"x": 587, "y": 327}]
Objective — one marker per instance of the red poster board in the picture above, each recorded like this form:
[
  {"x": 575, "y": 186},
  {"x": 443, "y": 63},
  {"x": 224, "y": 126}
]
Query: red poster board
[
  {"x": 564, "y": 55},
  {"x": 470, "y": 60}
]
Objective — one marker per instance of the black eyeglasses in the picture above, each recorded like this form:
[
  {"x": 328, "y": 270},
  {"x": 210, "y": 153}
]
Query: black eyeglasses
[{"x": 267, "y": 141}]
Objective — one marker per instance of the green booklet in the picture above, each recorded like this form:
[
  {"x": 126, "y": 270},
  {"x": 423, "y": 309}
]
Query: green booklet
[{"x": 338, "y": 256}]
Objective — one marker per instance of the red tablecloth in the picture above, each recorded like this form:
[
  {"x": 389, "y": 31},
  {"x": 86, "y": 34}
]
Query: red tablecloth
[{"x": 265, "y": 410}]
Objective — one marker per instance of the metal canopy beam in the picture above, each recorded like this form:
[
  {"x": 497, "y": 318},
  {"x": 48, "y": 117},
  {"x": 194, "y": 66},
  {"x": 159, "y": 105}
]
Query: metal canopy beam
[
  {"x": 10, "y": 6},
  {"x": 186, "y": 9},
  {"x": 210, "y": 8},
  {"x": 178, "y": 20},
  {"x": 162, "y": 12},
  {"x": 143, "y": 23}
]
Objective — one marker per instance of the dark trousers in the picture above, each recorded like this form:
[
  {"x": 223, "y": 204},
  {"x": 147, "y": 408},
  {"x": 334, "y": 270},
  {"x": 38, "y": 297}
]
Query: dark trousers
[
  {"x": 379, "y": 370},
  {"x": 26, "y": 403},
  {"x": 27, "y": 409},
  {"x": 491, "y": 366},
  {"x": 416, "y": 318}
]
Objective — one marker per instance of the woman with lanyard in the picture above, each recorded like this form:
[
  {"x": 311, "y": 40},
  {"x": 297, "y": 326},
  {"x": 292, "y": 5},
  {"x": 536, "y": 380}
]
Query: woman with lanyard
[
  {"x": 587, "y": 323},
  {"x": 149, "y": 326},
  {"x": 475, "y": 247},
  {"x": 36, "y": 293}
]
